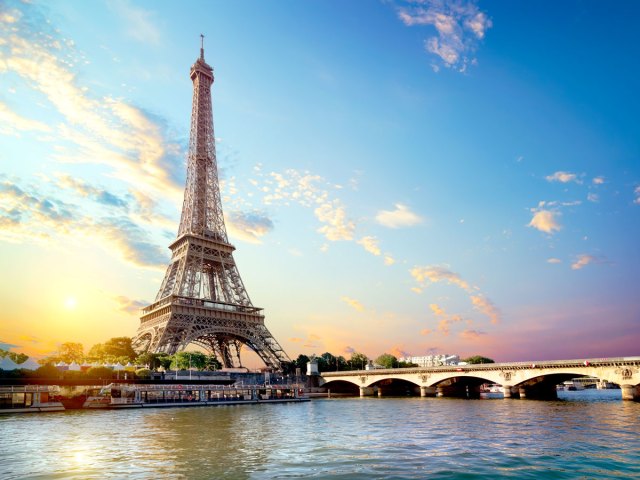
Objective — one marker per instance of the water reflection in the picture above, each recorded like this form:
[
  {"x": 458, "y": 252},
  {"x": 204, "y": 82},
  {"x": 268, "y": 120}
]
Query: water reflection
[{"x": 345, "y": 438}]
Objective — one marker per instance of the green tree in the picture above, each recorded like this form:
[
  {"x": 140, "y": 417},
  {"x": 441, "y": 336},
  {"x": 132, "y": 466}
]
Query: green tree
[
  {"x": 143, "y": 373},
  {"x": 119, "y": 349},
  {"x": 103, "y": 373},
  {"x": 359, "y": 361},
  {"x": 149, "y": 359},
  {"x": 327, "y": 362},
  {"x": 478, "y": 359},
  {"x": 342, "y": 363},
  {"x": 407, "y": 364},
  {"x": 288, "y": 368},
  {"x": 301, "y": 363},
  {"x": 16, "y": 357},
  {"x": 186, "y": 360},
  {"x": 71, "y": 352},
  {"x": 48, "y": 371},
  {"x": 164, "y": 360},
  {"x": 213, "y": 363},
  {"x": 387, "y": 360},
  {"x": 96, "y": 353}
]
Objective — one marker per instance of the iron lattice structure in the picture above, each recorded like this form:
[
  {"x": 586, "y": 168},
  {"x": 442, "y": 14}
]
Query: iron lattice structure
[{"x": 202, "y": 299}]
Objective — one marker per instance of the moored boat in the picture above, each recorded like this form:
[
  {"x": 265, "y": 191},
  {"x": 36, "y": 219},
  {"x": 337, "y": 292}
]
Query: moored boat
[
  {"x": 116, "y": 396},
  {"x": 29, "y": 399}
]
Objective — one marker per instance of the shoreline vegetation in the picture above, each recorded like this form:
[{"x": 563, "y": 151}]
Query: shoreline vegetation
[{"x": 116, "y": 360}]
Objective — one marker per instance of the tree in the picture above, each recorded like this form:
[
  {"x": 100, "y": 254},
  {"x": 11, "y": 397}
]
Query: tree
[
  {"x": 407, "y": 364},
  {"x": 478, "y": 359},
  {"x": 143, "y": 373},
  {"x": 387, "y": 360},
  {"x": 358, "y": 361},
  {"x": 342, "y": 363},
  {"x": 103, "y": 373},
  {"x": 288, "y": 368},
  {"x": 96, "y": 353},
  {"x": 16, "y": 357},
  {"x": 71, "y": 352},
  {"x": 153, "y": 360},
  {"x": 164, "y": 360},
  {"x": 326, "y": 362},
  {"x": 118, "y": 347},
  {"x": 187, "y": 360},
  {"x": 48, "y": 371},
  {"x": 301, "y": 363},
  {"x": 212, "y": 363}
]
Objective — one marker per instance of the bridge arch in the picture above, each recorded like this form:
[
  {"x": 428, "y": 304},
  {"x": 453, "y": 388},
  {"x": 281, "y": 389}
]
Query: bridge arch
[
  {"x": 344, "y": 387},
  {"x": 524, "y": 379}
]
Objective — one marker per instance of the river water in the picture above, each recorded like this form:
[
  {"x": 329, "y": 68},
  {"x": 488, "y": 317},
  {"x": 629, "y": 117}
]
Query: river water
[{"x": 587, "y": 434}]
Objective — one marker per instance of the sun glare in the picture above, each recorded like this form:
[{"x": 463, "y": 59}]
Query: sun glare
[{"x": 70, "y": 303}]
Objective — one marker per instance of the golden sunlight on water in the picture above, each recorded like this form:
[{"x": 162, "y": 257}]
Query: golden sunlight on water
[{"x": 589, "y": 437}]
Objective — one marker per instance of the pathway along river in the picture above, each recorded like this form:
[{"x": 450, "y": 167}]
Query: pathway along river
[{"x": 588, "y": 434}]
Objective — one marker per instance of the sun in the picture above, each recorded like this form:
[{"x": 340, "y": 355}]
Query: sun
[{"x": 70, "y": 303}]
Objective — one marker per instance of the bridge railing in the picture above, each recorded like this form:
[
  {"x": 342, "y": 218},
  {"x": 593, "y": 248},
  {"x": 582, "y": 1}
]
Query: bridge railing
[{"x": 584, "y": 362}]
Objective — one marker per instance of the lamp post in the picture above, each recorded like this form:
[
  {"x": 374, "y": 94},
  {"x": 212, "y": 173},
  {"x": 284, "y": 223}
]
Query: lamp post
[{"x": 189, "y": 366}]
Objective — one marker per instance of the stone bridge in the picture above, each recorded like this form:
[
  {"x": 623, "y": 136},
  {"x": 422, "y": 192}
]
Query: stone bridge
[{"x": 518, "y": 379}]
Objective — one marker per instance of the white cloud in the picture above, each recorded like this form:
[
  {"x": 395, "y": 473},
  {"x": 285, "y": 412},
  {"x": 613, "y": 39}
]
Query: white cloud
[
  {"x": 546, "y": 221},
  {"x": 598, "y": 180},
  {"x": 102, "y": 130},
  {"x": 486, "y": 306},
  {"x": 353, "y": 303},
  {"x": 460, "y": 26},
  {"x": 584, "y": 259},
  {"x": 370, "y": 244},
  {"x": 11, "y": 121},
  {"x": 472, "y": 334},
  {"x": 248, "y": 226},
  {"x": 636, "y": 192},
  {"x": 29, "y": 214},
  {"x": 435, "y": 274},
  {"x": 444, "y": 320},
  {"x": 337, "y": 225},
  {"x": 563, "y": 177},
  {"x": 398, "y": 218},
  {"x": 130, "y": 306}
]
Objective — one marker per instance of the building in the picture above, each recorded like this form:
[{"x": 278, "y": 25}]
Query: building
[{"x": 432, "y": 360}]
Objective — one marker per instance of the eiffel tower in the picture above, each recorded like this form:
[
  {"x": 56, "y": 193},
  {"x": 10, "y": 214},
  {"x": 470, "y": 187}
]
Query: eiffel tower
[{"x": 202, "y": 299}]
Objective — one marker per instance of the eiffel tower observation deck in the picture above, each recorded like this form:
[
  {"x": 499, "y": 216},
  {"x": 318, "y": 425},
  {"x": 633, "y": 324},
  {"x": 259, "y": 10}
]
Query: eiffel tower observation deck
[{"x": 202, "y": 299}]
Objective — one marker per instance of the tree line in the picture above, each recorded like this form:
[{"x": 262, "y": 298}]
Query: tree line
[
  {"x": 327, "y": 362},
  {"x": 120, "y": 350}
]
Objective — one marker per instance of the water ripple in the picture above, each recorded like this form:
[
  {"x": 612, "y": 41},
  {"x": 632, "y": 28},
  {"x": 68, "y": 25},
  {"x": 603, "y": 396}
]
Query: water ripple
[{"x": 412, "y": 438}]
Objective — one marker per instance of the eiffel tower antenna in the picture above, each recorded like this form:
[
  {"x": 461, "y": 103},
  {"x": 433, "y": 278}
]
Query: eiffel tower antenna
[{"x": 202, "y": 299}]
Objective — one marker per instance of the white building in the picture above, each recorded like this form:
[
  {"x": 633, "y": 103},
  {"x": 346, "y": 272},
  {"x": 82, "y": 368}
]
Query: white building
[{"x": 432, "y": 360}]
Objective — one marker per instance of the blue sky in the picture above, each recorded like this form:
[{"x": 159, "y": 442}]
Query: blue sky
[{"x": 404, "y": 177}]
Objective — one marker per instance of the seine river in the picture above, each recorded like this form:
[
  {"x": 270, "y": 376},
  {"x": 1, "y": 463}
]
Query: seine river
[{"x": 588, "y": 434}]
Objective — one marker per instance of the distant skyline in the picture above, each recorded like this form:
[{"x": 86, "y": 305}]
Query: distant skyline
[{"x": 410, "y": 177}]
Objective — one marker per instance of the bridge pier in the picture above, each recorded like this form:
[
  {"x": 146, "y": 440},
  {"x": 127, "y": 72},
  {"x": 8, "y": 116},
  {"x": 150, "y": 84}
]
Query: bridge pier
[
  {"x": 428, "y": 391},
  {"x": 630, "y": 392},
  {"x": 366, "y": 391}
]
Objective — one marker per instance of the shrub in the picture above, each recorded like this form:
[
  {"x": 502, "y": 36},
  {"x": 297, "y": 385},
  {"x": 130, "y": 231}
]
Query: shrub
[
  {"x": 100, "y": 372},
  {"x": 143, "y": 373}
]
